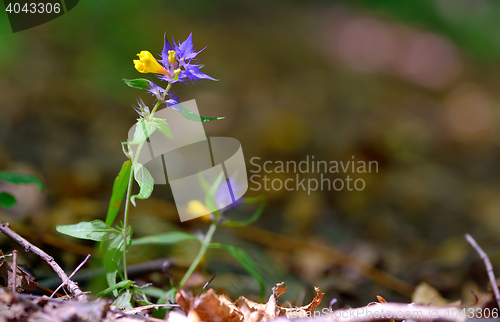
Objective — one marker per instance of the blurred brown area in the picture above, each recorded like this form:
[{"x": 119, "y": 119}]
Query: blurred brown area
[{"x": 412, "y": 85}]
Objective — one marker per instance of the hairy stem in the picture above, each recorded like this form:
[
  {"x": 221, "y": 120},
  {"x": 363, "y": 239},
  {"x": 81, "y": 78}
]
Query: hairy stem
[{"x": 204, "y": 246}]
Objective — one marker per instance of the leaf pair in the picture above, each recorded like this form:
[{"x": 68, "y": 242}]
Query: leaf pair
[
  {"x": 124, "y": 292},
  {"x": 116, "y": 242},
  {"x": 144, "y": 128},
  {"x": 144, "y": 180}
]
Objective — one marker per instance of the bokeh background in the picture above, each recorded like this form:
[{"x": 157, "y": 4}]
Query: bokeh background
[{"x": 412, "y": 85}]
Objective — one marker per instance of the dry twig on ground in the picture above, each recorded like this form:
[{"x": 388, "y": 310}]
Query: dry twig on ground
[
  {"x": 487, "y": 263},
  {"x": 28, "y": 247}
]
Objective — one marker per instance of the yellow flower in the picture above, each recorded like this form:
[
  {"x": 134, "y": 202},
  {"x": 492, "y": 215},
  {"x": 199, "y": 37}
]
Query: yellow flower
[
  {"x": 197, "y": 209},
  {"x": 148, "y": 64}
]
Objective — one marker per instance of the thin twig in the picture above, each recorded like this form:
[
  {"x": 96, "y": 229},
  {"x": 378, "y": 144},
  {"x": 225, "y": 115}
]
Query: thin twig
[
  {"x": 72, "y": 274},
  {"x": 210, "y": 281},
  {"x": 28, "y": 247},
  {"x": 14, "y": 271},
  {"x": 487, "y": 263},
  {"x": 135, "y": 316},
  {"x": 475, "y": 298},
  {"x": 136, "y": 310},
  {"x": 164, "y": 269}
]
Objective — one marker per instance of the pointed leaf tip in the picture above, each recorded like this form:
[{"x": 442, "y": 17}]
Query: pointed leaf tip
[{"x": 139, "y": 83}]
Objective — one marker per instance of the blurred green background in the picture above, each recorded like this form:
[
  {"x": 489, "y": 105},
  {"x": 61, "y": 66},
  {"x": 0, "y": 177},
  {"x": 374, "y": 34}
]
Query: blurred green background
[{"x": 412, "y": 85}]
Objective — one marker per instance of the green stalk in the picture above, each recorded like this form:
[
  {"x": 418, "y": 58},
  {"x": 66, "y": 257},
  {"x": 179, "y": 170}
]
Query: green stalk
[
  {"x": 204, "y": 246},
  {"x": 134, "y": 161},
  {"x": 163, "y": 100},
  {"x": 125, "y": 219},
  {"x": 158, "y": 103}
]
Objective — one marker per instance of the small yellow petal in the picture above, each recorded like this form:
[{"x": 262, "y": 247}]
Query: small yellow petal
[
  {"x": 139, "y": 65},
  {"x": 171, "y": 57}
]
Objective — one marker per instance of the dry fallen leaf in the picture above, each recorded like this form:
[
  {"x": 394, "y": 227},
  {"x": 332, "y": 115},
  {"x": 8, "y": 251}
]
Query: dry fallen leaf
[
  {"x": 271, "y": 309},
  {"x": 425, "y": 294},
  {"x": 212, "y": 307},
  {"x": 24, "y": 280},
  {"x": 307, "y": 308}
]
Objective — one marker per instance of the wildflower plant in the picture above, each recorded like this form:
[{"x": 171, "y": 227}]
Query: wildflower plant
[{"x": 177, "y": 64}]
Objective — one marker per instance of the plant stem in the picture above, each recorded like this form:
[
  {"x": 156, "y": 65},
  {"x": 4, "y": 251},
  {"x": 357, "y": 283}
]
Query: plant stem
[
  {"x": 162, "y": 100},
  {"x": 201, "y": 253},
  {"x": 125, "y": 221},
  {"x": 134, "y": 161},
  {"x": 158, "y": 103}
]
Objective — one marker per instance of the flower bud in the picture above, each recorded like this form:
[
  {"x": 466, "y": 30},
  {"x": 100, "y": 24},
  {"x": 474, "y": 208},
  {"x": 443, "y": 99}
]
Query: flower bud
[{"x": 171, "y": 57}]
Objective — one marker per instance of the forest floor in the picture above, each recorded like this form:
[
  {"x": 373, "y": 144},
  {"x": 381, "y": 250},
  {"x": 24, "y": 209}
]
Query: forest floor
[{"x": 17, "y": 304}]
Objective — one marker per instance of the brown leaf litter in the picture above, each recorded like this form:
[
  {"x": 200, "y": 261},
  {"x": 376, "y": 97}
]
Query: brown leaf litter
[
  {"x": 24, "y": 281},
  {"x": 210, "y": 307}
]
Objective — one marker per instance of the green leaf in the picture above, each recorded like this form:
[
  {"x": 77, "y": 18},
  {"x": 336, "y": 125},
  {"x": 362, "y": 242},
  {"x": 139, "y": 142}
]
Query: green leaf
[
  {"x": 139, "y": 83},
  {"x": 124, "y": 300},
  {"x": 119, "y": 190},
  {"x": 145, "y": 182},
  {"x": 167, "y": 297},
  {"x": 169, "y": 238},
  {"x": 143, "y": 130},
  {"x": 210, "y": 197},
  {"x": 114, "y": 252},
  {"x": 140, "y": 297},
  {"x": 155, "y": 292},
  {"x": 7, "y": 200},
  {"x": 187, "y": 114},
  {"x": 246, "y": 261},
  {"x": 19, "y": 178},
  {"x": 111, "y": 279},
  {"x": 252, "y": 218},
  {"x": 163, "y": 127},
  {"x": 122, "y": 284},
  {"x": 95, "y": 230}
]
